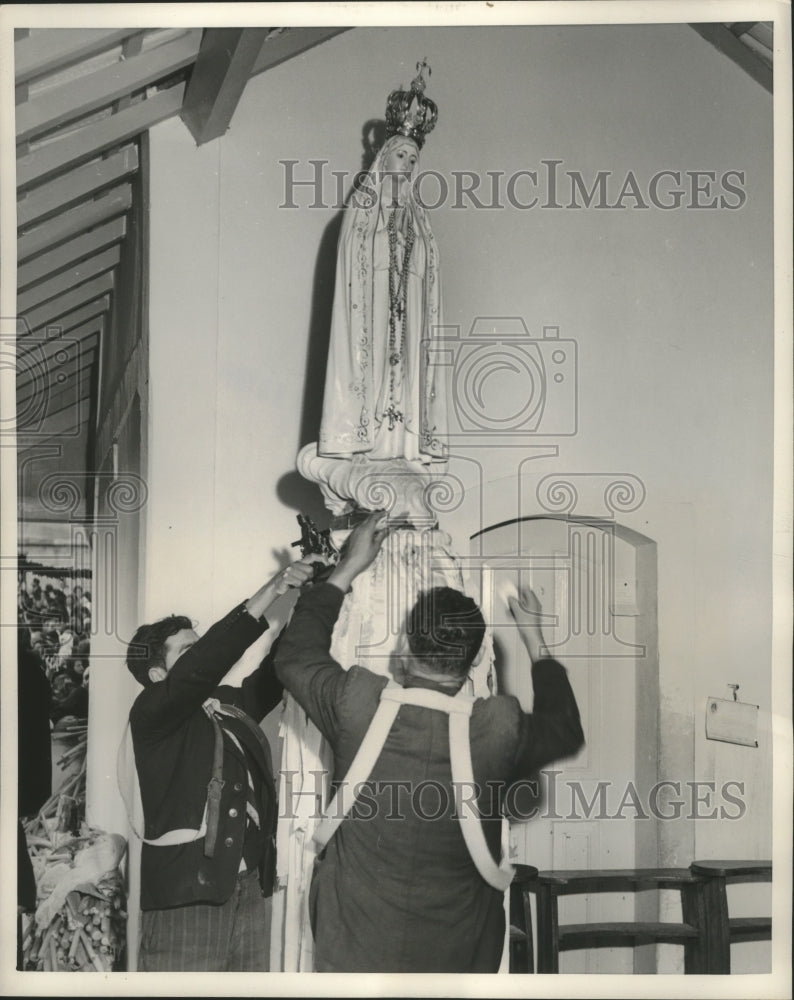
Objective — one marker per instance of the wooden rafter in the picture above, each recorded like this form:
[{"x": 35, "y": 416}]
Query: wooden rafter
[
  {"x": 722, "y": 38},
  {"x": 60, "y": 361},
  {"x": 67, "y": 322},
  {"x": 99, "y": 89},
  {"x": 223, "y": 67},
  {"x": 72, "y": 397},
  {"x": 67, "y": 374},
  {"x": 130, "y": 48},
  {"x": 280, "y": 47},
  {"x": 74, "y": 221},
  {"x": 83, "y": 97},
  {"x": 741, "y": 27},
  {"x": 47, "y": 51},
  {"x": 45, "y": 437},
  {"x": 50, "y": 311},
  {"x": 89, "y": 268},
  {"x": 76, "y": 249},
  {"x": 48, "y": 400},
  {"x": 51, "y": 354},
  {"x": 71, "y": 150},
  {"x": 77, "y": 185}
]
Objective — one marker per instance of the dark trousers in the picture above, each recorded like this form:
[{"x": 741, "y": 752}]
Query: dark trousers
[{"x": 230, "y": 937}]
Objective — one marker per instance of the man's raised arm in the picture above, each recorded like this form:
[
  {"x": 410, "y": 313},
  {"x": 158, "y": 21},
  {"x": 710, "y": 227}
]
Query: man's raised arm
[
  {"x": 304, "y": 664},
  {"x": 553, "y": 730}
]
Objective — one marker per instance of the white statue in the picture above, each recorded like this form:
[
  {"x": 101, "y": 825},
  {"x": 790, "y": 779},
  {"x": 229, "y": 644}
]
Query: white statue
[{"x": 382, "y": 396}]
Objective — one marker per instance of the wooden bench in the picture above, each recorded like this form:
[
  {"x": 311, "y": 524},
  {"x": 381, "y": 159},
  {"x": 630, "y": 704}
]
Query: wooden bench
[
  {"x": 721, "y": 930},
  {"x": 522, "y": 949},
  {"x": 554, "y": 937}
]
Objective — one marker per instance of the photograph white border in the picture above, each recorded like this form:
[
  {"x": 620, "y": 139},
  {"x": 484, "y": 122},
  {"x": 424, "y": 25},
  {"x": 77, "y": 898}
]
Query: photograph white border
[{"x": 777, "y": 984}]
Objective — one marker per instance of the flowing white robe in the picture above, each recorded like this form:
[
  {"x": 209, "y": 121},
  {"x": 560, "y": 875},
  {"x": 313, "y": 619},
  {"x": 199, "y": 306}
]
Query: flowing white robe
[{"x": 357, "y": 375}]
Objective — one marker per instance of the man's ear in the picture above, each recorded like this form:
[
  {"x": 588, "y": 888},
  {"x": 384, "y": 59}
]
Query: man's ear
[
  {"x": 478, "y": 658},
  {"x": 157, "y": 674}
]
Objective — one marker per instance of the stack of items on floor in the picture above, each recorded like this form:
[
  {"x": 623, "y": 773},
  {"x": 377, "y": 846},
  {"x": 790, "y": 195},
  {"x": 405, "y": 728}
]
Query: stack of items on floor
[{"x": 80, "y": 921}]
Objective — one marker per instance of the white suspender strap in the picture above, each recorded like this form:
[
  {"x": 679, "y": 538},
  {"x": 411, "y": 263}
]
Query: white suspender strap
[
  {"x": 499, "y": 876},
  {"x": 186, "y": 836},
  {"x": 425, "y": 698},
  {"x": 360, "y": 770},
  {"x": 127, "y": 778},
  {"x": 459, "y": 710}
]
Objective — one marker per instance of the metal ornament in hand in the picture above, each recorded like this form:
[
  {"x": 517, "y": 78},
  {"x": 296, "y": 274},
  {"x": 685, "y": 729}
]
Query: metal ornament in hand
[{"x": 315, "y": 542}]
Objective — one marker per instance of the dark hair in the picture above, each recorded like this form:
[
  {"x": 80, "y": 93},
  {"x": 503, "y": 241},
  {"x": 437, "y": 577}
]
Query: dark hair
[
  {"x": 146, "y": 646},
  {"x": 445, "y": 630}
]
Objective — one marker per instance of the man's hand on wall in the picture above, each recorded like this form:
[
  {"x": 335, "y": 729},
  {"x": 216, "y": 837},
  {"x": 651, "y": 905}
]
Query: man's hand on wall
[{"x": 526, "y": 610}]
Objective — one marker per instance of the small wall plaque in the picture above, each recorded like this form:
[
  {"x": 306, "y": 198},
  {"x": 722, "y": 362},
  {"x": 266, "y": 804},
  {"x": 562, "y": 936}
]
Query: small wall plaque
[{"x": 732, "y": 721}]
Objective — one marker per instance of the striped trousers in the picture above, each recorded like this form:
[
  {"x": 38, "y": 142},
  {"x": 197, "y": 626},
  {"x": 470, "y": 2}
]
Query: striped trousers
[{"x": 229, "y": 937}]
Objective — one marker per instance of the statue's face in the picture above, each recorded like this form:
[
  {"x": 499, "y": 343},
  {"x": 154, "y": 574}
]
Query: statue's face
[{"x": 402, "y": 158}]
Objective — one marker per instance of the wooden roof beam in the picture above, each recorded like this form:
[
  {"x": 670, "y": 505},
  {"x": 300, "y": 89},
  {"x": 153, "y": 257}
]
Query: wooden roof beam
[
  {"x": 70, "y": 376},
  {"x": 223, "y": 68},
  {"x": 722, "y": 38},
  {"x": 96, "y": 90},
  {"x": 43, "y": 291},
  {"x": 67, "y": 322},
  {"x": 76, "y": 185},
  {"x": 740, "y": 27},
  {"x": 76, "y": 220},
  {"x": 27, "y": 451},
  {"x": 76, "y": 249},
  {"x": 56, "y": 366},
  {"x": 44, "y": 359},
  {"x": 50, "y": 49},
  {"x": 84, "y": 143},
  {"x": 283, "y": 46},
  {"x": 70, "y": 398},
  {"x": 51, "y": 310}
]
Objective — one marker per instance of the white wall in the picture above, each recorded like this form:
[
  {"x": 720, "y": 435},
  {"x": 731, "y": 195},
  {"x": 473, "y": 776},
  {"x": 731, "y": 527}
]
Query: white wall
[{"x": 671, "y": 311}]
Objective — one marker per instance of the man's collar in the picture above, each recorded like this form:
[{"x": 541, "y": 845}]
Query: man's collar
[{"x": 431, "y": 684}]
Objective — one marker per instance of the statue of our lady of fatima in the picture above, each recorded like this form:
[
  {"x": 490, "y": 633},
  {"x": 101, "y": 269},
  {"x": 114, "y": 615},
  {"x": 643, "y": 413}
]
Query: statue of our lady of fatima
[
  {"x": 382, "y": 446},
  {"x": 384, "y": 397}
]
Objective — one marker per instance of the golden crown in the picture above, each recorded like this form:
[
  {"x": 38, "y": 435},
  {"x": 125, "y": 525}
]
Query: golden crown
[{"x": 409, "y": 112}]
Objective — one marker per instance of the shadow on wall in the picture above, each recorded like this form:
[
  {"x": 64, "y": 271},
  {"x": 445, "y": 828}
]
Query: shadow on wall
[
  {"x": 292, "y": 489},
  {"x": 319, "y": 332},
  {"x": 373, "y": 135},
  {"x": 299, "y": 494}
]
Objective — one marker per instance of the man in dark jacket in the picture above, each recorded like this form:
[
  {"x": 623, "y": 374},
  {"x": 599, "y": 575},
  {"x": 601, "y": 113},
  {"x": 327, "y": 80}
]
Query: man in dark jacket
[
  {"x": 404, "y": 884},
  {"x": 207, "y": 789}
]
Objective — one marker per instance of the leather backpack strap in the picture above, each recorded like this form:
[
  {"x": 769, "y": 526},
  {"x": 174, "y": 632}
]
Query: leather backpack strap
[
  {"x": 214, "y": 788},
  {"x": 251, "y": 726}
]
